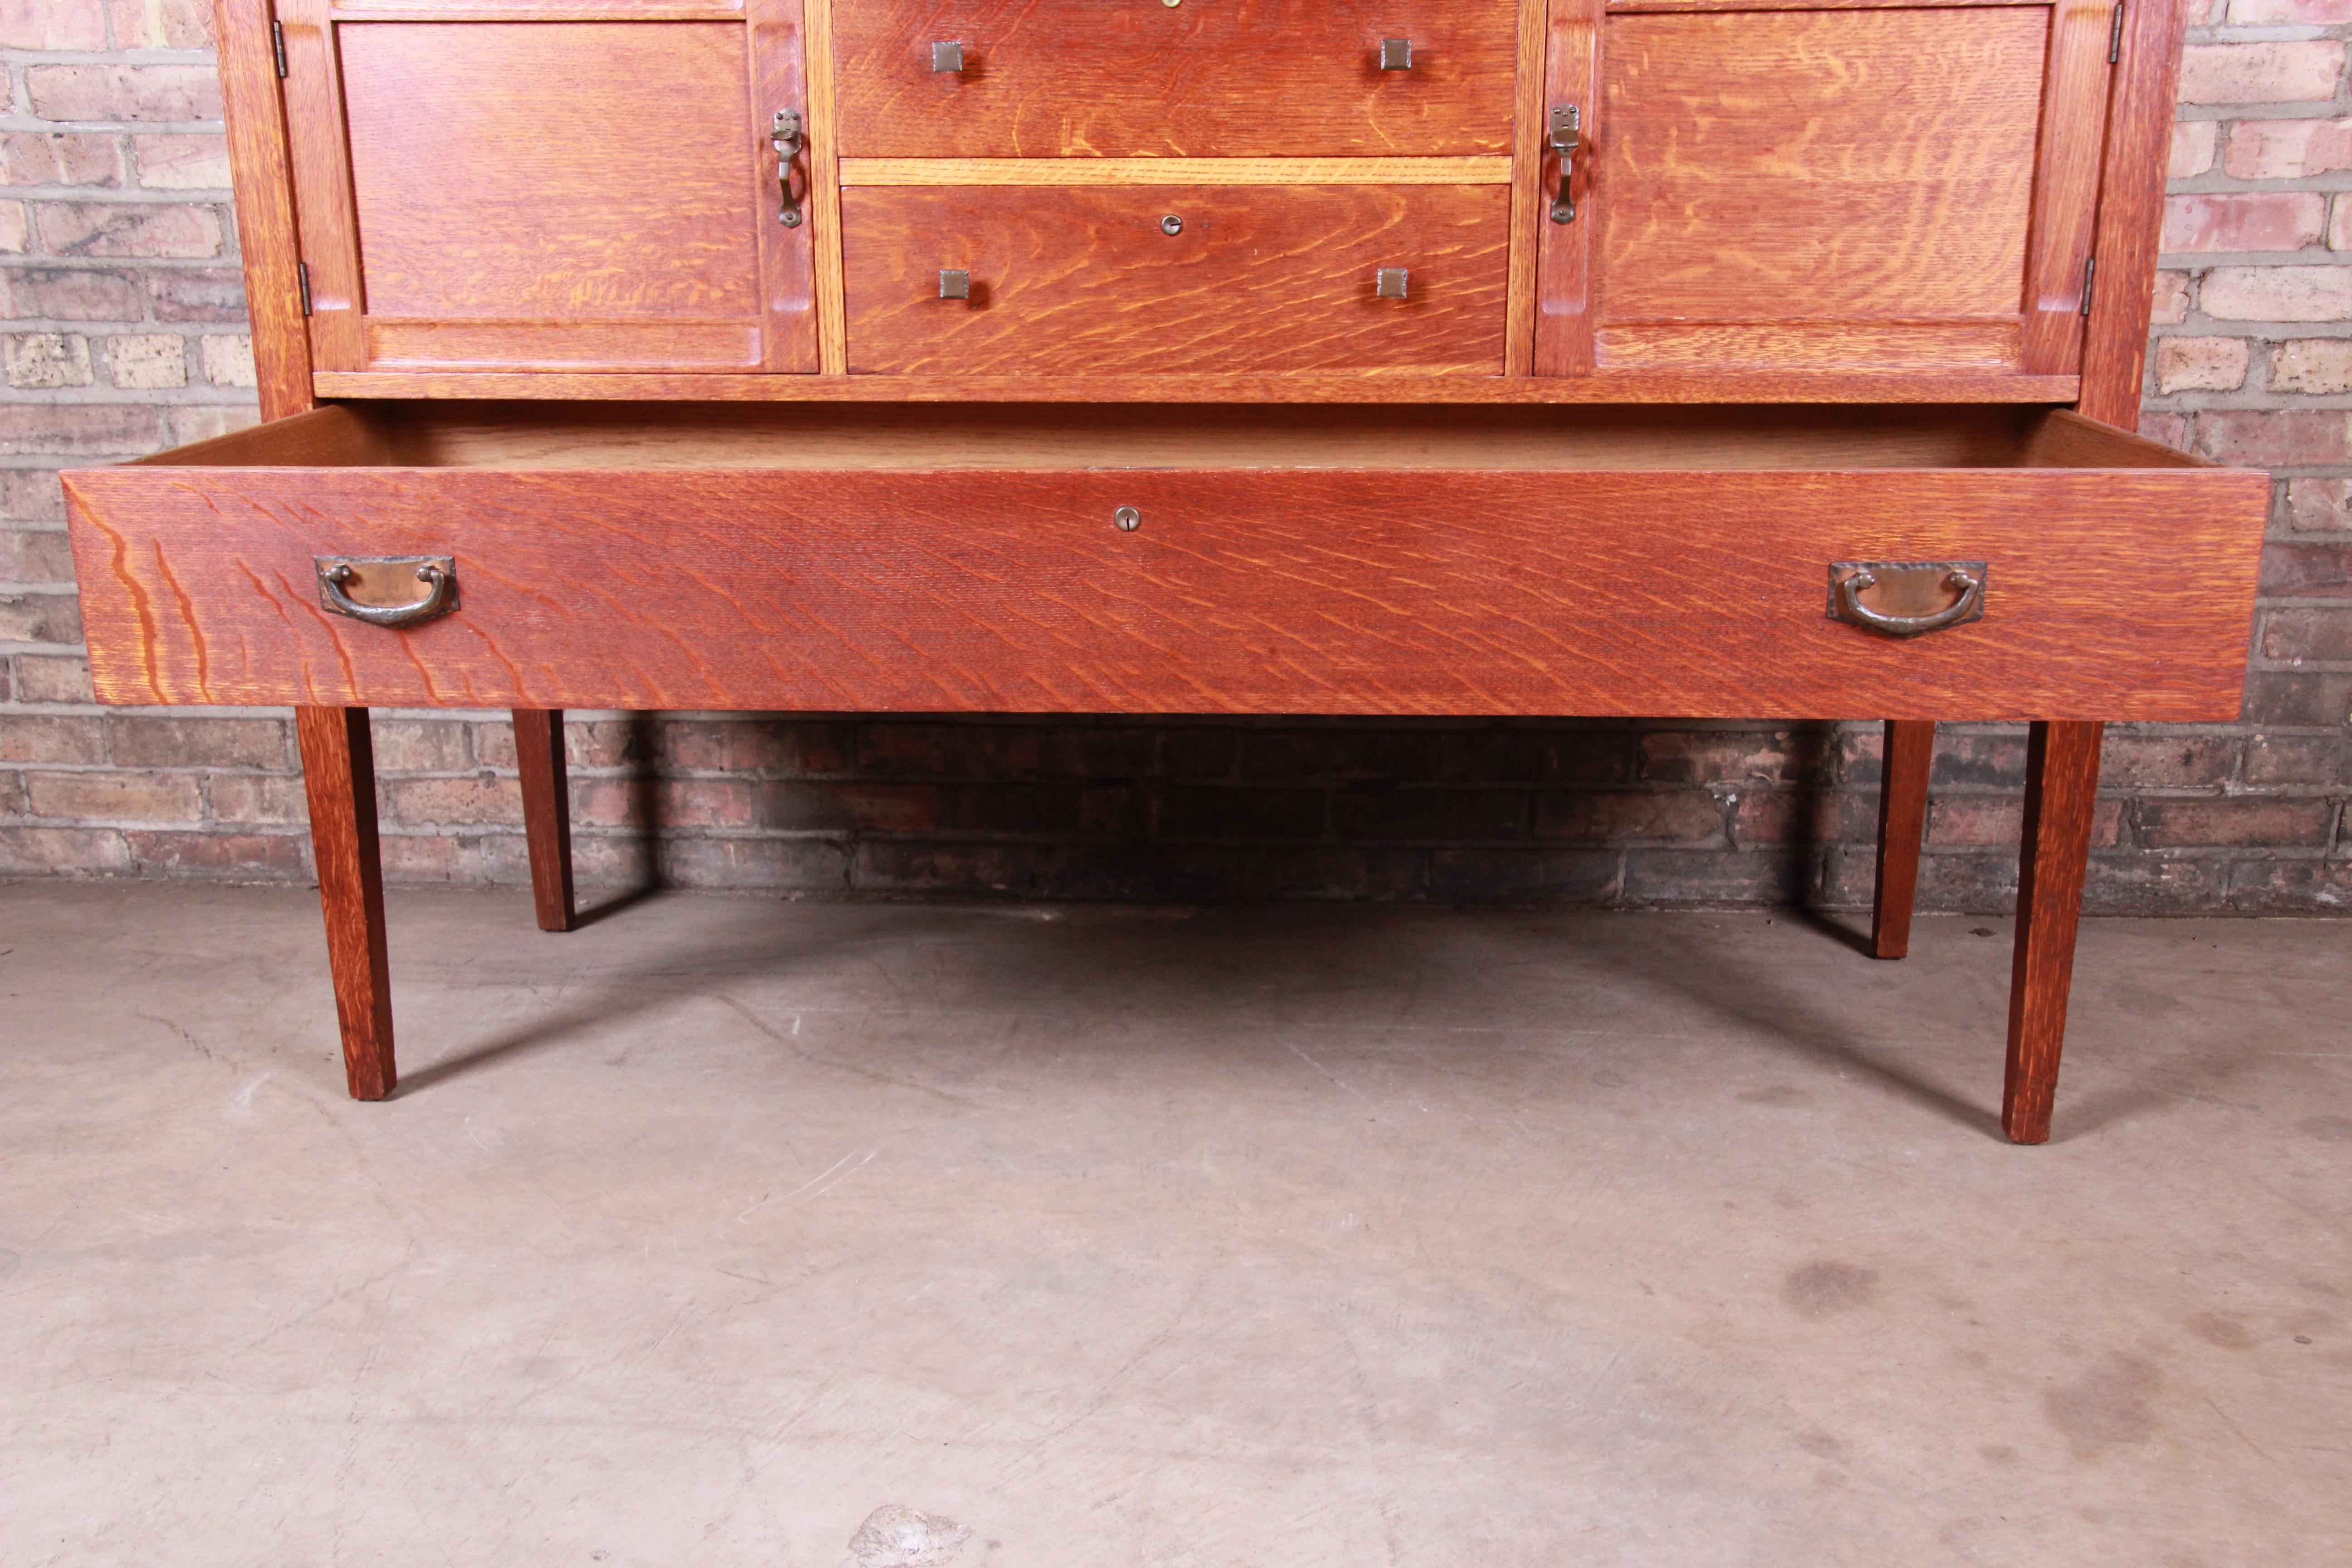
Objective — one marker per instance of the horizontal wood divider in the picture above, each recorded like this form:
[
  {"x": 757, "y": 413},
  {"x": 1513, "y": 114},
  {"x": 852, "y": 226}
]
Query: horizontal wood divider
[
  {"x": 1306, "y": 388},
  {"x": 1494, "y": 171}
]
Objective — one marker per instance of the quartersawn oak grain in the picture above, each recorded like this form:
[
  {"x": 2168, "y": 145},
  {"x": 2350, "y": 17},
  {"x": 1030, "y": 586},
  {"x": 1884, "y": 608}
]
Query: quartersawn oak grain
[
  {"x": 1083, "y": 79},
  {"x": 1283, "y": 590},
  {"x": 1086, "y": 279}
]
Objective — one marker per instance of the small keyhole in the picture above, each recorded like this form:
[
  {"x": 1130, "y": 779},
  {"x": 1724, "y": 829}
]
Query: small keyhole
[{"x": 1172, "y": 224}]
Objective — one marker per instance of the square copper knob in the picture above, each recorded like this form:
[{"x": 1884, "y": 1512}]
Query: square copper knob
[
  {"x": 955, "y": 285},
  {"x": 1396, "y": 54},
  {"x": 947, "y": 57},
  {"x": 1395, "y": 283}
]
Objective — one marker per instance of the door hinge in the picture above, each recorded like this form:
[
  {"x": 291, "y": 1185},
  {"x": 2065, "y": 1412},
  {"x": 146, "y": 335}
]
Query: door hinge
[
  {"x": 302, "y": 281},
  {"x": 278, "y": 46},
  {"x": 2090, "y": 265},
  {"x": 2116, "y": 36}
]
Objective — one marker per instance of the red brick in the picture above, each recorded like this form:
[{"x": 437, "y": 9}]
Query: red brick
[
  {"x": 2307, "y": 571},
  {"x": 2277, "y": 293},
  {"x": 145, "y": 228},
  {"x": 76, "y": 429},
  {"x": 1430, "y": 815},
  {"x": 59, "y": 158},
  {"x": 27, "y": 556},
  {"x": 2298, "y": 760},
  {"x": 421, "y": 746},
  {"x": 53, "y": 678},
  {"x": 2317, "y": 504},
  {"x": 1240, "y": 813},
  {"x": 2311, "y": 364},
  {"x": 157, "y": 741},
  {"x": 2207, "y": 365},
  {"x": 258, "y": 798},
  {"x": 431, "y": 802},
  {"x": 1965, "y": 821},
  {"x": 123, "y": 92},
  {"x": 794, "y": 749},
  {"x": 1593, "y": 817},
  {"x": 272, "y": 856},
  {"x": 161, "y": 24},
  {"x": 187, "y": 422},
  {"x": 43, "y": 738},
  {"x": 194, "y": 162},
  {"x": 114, "y": 797},
  {"x": 951, "y": 750},
  {"x": 1039, "y": 809},
  {"x": 2297, "y": 636},
  {"x": 2166, "y": 758},
  {"x": 68, "y": 294},
  {"x": 2237, "y": 823},
  {"x": 1657, "y": 877},
  {"x": 2266, "y": 439},
  {"x": 1552, "y": 754},
  {"x": 673, "y": 803},
  {"x": 2171, "y": 299},
  {"x": 73, "y": 851},
  {"x": 1290, "y": 756},
  {"x": 2172, "y": 429},
  {"x": 55, "y": 25},
  {"x": 1766, "y": 817},
  {"x": 2192, "y": 148},
  {"x": 2293, "y": 700},
  {"x": 31, "y": 495},
  {"x": 1722, "y": 756},
  {"x": 197, "y": 295},
  {"x": 2281, "y": 13},
  {"x": 2243, "y": 220},
  {"x": 40, "y": 617},
  {"x": 12, "y": 795},
  {"x": 2288, "y": 149},
  {"x": 1979, "y": 759},
  {"x": 2297, "y": 72},
  {"x": 593, "y": 744}
]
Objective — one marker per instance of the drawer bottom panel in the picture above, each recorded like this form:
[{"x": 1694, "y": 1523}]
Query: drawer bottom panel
[{"x": 2113, "y": 594}]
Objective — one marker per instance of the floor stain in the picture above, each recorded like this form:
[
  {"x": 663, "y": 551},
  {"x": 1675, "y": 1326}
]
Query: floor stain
[
  {"x": 898, "y": 1537},
  {"x": 2106, "y": 1406},
  {"x": 1821, "y": 1445},
  {"x": 2219, "y": 1329},
  {"x": 2326, "y": 1129},
  {"x": 1778, "y": 1094},
  {"x": 1822, "y": 1290}
]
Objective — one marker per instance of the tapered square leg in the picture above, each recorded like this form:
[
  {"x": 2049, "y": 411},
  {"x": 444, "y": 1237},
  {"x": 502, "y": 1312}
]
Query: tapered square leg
[
  {"x": 546, "y": 813},
  {"x": 2062, "y": 788},
  {"x": 1902, "y": 821},
  {"x": 339, "y": 775}
]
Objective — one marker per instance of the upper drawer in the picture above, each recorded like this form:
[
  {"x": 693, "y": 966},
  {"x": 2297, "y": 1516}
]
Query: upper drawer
[
  {"x": 1171, "y": 279},
  {"x": 1205, "y": 79}
]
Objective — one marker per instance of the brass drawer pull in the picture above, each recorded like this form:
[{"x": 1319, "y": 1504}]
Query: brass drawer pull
[
  {"x": 1909, "y": 591},
  {"x": 790, "y": 137},
  {"x": 377, "y": 575}
]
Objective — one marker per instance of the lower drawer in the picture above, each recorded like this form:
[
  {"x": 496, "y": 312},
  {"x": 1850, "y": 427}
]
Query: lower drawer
[
  {"x": 1176, "y": 279},
  {"x": 1301, "y": 561}
]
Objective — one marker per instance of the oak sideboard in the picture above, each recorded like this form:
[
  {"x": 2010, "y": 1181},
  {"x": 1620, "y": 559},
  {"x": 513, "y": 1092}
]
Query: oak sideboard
[{"x": 1693, "y": 358}]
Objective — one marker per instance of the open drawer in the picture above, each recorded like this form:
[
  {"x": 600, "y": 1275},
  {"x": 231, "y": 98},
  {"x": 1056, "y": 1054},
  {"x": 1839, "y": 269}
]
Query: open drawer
[{"x": 1691, "y": 561}]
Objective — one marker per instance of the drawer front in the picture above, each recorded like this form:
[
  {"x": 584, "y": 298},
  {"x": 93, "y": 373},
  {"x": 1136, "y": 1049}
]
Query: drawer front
[
  {"x": 1090, "y": 280},
  {"x": 1066, "y": 79},
  {"x": 2111, "y": 594}
]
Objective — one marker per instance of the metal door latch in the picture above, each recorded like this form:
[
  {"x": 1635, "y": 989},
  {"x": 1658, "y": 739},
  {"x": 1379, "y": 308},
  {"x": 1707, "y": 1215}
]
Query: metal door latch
[
  {"x": 790, "y": 138},
  {"x": 1567, "y": 136}
]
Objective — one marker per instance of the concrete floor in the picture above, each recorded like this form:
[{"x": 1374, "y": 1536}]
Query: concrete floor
[{"x": 1146, "y": 1238}]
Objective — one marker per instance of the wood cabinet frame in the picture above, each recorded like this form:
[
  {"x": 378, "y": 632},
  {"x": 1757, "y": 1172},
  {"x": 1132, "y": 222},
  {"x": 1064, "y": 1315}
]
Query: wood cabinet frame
[{"x": 2089, "y": 355}]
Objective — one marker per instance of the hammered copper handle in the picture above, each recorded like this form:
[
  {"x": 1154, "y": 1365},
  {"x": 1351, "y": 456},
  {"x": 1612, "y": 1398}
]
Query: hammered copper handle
[
  {"x": 442, "y": 590},
  {"x": 1966, "y": 607}
]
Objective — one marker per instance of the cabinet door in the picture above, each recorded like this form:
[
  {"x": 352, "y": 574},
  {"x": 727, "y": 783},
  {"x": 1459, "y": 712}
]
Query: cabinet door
[
  {"x": 510, "y": 191},
  {"x": 1793, "y": 191}
]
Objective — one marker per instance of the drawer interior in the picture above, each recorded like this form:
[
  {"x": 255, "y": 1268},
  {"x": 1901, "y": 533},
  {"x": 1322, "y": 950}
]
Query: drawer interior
[{"x": 920, "y": 436}]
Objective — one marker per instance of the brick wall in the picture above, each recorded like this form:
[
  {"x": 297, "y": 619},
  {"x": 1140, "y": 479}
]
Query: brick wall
[{"x": 124, "y": 333}]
